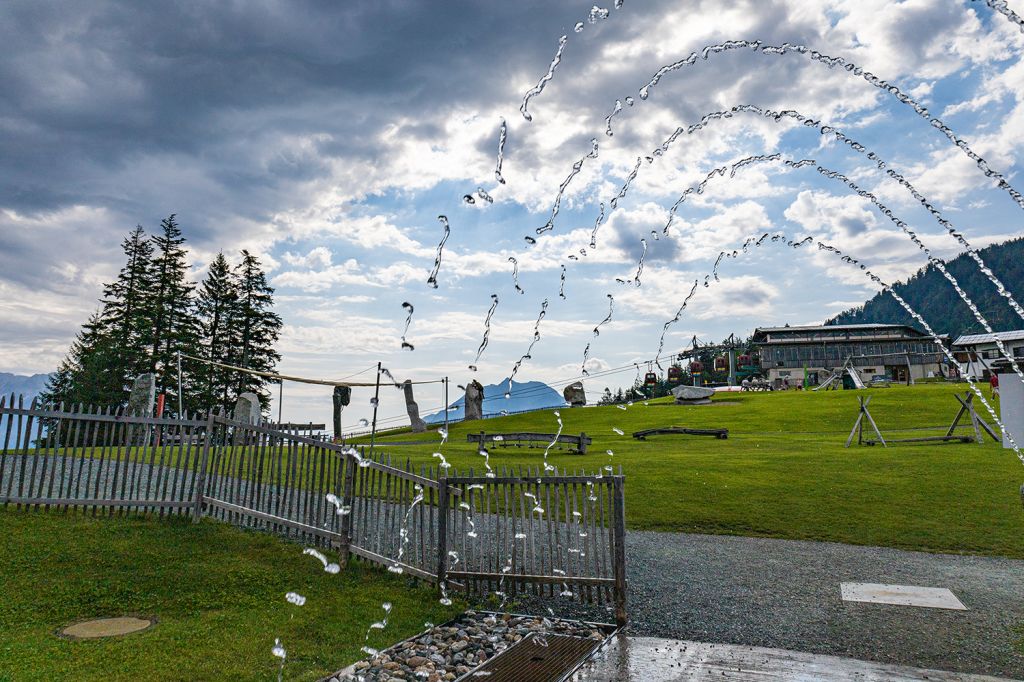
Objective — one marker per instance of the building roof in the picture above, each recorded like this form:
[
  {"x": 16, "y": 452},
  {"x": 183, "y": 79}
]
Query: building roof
[
  {"x": 854, "y": 333},
  {"x": 829, "y": 327},
  {"x": 976, "y": 339}
]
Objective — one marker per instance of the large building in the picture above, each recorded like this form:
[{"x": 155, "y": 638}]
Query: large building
[
  {"x": 894, "y": 351},
  {"x": 980, "y": 355}
]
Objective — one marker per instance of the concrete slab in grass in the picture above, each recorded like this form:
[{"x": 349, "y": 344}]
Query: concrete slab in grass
[
  {"x": 901, "y": 595},
  {"x": 106, "y": 627}
]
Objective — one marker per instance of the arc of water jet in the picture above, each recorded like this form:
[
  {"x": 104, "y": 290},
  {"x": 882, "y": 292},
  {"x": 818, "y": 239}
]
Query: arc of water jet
[
  {"x": 827, "y": 130},
  {"x": 432, "y": 280},
  {"x": 1001, "y": 7},
  {"x": 832, "y": 62},
  {"x": 487, "y": 331},
  {"x": 502, "y": 138},
  {"x": 608, "y": 119},
  {"x": 526, "y": 355},
  {"x": 515, "y": 273},
  {"x": 640, "y": 265},
  {"x": 674, "y": 320},
  {"x": 561, "y": 285},
  {"x": 408, "y": 320},
  {"x": 548, "y": 467},
  {"x": 544, "y": 80},
  {"x": 597, "y": 332}
]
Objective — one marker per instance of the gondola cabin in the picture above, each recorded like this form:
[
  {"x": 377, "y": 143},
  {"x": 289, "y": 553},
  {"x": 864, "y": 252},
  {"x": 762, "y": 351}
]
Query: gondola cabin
[
  {"x": 696, "y": 367},
  {"x": 675, "y": 375},
  {"x": 721, "y": 364},
  {"x": 744, "y": 360},
  {"x": 650, "y": 379}
]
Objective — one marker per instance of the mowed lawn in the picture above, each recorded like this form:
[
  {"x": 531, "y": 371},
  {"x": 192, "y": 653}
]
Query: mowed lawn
[
  {"x": 784, "y": 471},
  {"x": 217, "y": 592}
]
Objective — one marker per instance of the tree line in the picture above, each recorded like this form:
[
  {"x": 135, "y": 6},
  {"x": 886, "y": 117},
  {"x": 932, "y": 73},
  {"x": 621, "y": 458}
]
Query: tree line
[{"x": 153, "y": 311}]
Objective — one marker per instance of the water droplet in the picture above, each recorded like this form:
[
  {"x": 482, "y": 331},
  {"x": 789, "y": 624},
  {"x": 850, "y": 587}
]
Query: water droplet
[
  {"x": 295, "y": 598},
  {"x": 278, "y": 650},
  {"x": 578, "y": 27}
]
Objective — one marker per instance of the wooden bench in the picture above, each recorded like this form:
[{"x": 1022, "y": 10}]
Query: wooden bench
[
  {"x": 579, "y": 443},
  {"x": 721, "y": 434}
]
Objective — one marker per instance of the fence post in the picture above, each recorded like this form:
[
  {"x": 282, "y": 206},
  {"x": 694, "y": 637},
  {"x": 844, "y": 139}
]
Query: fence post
[
  {"x": 583, "y": 442},
  {"x": 348, "y": 496},
  {"x": 197, "y": 504},
  {"x": 619, "y": 547},
  {"x": 442, "y": 532}
]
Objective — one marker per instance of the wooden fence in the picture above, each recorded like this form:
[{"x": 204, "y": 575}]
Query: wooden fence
[{"x": 513, "y": 532}]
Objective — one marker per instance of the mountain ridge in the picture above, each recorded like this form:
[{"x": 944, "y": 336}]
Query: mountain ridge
[{"x": 930, "y": 294}]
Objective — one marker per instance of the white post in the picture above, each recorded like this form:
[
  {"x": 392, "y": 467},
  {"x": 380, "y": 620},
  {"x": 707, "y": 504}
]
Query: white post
[{"x": 1011, "y": 407}]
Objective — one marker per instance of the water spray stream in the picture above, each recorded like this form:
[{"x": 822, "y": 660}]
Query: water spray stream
[
  {"x": 758, "y": 47},
  {"x": 515, "y": 273},
  {"x": 597, "y": 332},
  {"x": 408, "y": 320},
  {"x": 548, "y": 467},
  {"x": 502, "y": 138},
  {"x": 1001, "y": 7},
  {"x": 827, "y": 130},
  {"x": 526, "y": 355},
  {"x": 544, "y": 80},
  {"x": 432, "y": 280},
  {"x": 487, "y": 332}
]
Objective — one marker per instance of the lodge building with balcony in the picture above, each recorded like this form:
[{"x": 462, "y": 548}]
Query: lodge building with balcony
[{"x": 897, "y": 352}]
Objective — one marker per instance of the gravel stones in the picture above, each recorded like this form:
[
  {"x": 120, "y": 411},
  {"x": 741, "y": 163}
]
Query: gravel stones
[{"x": 446, "y": 652}]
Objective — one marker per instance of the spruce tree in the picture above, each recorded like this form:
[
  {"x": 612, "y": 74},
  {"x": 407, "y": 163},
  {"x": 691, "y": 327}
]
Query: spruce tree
[
  {"x": 217, "y": 308},
  {"x": 258, "y": 326},
  {"x": 124, "y": 312},
  {"x": 172, "y": 327}
]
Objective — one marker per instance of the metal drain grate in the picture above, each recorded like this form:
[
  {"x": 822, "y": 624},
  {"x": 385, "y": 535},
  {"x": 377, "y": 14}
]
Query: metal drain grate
[{"x": 529, "y": 661}]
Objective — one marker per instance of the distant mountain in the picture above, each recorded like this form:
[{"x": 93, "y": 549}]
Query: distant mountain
[
  {"x": 530, "y": 395},
  {"x": 20, "y": 384},
  {"x": 931, "y": 294}
]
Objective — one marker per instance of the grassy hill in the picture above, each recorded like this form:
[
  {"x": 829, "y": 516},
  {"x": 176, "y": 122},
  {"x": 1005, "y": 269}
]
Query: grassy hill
[
  {"x": 932, "y": 295},
  {"x": 784, "y": 471}
]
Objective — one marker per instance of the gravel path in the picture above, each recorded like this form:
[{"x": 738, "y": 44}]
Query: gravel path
[{"x": 785, "y": 594}]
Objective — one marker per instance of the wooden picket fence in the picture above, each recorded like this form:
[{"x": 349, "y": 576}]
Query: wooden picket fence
[{"x": 511, "y": 532}]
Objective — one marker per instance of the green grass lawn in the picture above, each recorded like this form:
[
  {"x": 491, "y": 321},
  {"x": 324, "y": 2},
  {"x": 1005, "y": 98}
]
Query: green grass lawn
[
  {"x": 784, "y": 471},
  {"x": 217, "y": 592}
]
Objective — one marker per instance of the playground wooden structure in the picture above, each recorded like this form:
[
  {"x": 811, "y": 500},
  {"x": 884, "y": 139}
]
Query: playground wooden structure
[
  {"x": 966, "y": 408},
  {"x": 720, "y": 434}
]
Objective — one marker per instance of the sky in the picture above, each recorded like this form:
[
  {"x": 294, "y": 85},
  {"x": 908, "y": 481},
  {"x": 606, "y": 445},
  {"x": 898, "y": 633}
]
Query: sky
[{"x": 329, "y": 137}]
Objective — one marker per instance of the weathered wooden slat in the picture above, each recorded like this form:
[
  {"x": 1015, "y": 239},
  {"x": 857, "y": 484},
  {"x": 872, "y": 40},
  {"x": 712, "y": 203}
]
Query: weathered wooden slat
[
  {"x": 385, "y": 561},
  {"x": 90, "y": 502},
  {"x": 288, "y": 523},
  {"x": 533, "y": 579},
  {"x": 45, "y": 413}
]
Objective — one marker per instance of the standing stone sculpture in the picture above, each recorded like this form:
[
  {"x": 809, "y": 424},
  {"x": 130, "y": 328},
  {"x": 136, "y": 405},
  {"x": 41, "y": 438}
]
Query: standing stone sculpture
[
  {"x": 140, "y": 404},
  {"x": 574, "y": 394},
  {"x": 692, "y": 395},
  {"x": 418, "y": 425},
  {"x": 342, "y": 397},
  {"x": 247, "y": 409},
  {"x": 143, "y": 396},
  {"x": 474, "y": 400}
]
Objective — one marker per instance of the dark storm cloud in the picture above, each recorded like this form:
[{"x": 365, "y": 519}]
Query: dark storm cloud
[{"x": 89, "y": 88}]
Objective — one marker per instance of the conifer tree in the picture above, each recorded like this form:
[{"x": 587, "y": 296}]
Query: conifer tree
[
  {"x": 169, "y": 311},
  {"x": 125, "y": 300},
  {"x": 217, "y": 308},
  {"x": 258, "y": 326}
]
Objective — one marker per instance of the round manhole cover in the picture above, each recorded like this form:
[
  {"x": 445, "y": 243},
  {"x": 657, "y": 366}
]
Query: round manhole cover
[{"x": 106, "y": 627}]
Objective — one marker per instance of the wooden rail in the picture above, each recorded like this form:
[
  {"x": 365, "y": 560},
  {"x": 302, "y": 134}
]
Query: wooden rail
[{"x": 504, "y": 439}]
